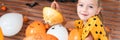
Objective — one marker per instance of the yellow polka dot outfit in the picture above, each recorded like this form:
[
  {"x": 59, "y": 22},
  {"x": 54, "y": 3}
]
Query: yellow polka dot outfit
[{"x": 93, "y": 26}]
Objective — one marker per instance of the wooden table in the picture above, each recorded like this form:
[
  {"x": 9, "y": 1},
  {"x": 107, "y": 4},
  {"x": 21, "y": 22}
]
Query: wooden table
[{"x": 68, "y": 11}]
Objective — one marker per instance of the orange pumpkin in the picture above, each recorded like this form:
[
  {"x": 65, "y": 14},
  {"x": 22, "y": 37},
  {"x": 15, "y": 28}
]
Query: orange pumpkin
[
  {"x": 52, "y": 16},
  {"x": 74, "y": 35},
  {"x": 25, "y": 19},
  {"x": 3, "y": 8},
  {"x": 36, "y": 27},
  {"x": 1, "y": 35}
]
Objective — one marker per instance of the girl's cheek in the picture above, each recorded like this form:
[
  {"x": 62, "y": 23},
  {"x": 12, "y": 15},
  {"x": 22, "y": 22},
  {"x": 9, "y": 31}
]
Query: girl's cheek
[
  {"x": 92, "y": 12},
  {"x": 78, "y": 9}
]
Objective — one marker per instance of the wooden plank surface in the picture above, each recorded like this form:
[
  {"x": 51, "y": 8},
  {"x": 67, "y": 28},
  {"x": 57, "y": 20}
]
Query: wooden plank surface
[{"x": 111, "y": 14}]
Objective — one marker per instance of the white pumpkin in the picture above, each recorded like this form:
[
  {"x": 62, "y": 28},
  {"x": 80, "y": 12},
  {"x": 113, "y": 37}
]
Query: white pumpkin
[
  {"x": 11, "y": 23},
  {"x": 59, "y": 31}
]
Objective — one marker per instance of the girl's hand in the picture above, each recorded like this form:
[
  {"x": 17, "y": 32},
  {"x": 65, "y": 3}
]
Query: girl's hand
[
  {"x": 56, "y": 6},
  {"x": 89, "y": 37}
]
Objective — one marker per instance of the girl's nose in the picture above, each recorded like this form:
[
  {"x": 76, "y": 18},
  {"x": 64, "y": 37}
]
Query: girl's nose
[{"x": 84, "y": 9}]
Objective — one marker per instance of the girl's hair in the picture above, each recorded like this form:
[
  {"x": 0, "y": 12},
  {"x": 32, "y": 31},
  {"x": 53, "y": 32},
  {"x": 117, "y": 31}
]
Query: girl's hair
[
  {"x": 100, "y": 14},
  {"x": 99, "y": 3}
]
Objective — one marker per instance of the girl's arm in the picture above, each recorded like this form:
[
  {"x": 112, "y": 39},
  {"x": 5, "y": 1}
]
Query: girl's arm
[{"x": 69, "y": 25}]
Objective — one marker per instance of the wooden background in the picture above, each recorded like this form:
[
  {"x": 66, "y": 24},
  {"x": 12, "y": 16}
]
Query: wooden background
[{"x": 111, "y": 14}]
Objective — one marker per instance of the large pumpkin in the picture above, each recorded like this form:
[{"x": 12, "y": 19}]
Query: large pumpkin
[
  {"x": 35, "y": 27},
  {"x": 52, "y": 16},
  {"x": 37, "y": 31}
]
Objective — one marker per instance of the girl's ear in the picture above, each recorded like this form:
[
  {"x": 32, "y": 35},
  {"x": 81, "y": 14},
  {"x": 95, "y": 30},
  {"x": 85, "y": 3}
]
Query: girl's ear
[{"x": 99, "y": 10}]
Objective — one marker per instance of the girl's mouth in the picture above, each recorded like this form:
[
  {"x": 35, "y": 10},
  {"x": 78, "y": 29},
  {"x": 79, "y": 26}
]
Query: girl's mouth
[{"x": 85, "y": 14}]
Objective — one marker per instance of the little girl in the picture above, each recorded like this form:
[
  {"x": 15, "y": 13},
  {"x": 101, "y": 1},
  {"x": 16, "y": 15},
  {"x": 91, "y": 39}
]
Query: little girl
[{"x": 87, "y": 9}]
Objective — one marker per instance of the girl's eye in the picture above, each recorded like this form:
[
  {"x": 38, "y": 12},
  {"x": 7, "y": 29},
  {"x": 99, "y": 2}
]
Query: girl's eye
[
  {"x": 91, "y": 6},
  {"x": 81, "y": 5}
]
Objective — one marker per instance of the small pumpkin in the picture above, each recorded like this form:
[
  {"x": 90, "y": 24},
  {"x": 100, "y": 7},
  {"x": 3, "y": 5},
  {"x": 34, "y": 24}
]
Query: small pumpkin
[
  {"x": 3, "y": 8},
  {"x": 52, "y": 16},
  {"x": 35, "y": 27},
  {"x": 75, "y": 35},
  {"x": 25, "y": 19}
]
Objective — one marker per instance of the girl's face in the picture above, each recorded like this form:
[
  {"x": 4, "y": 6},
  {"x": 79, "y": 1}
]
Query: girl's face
[{"x": 87, "y": 8}]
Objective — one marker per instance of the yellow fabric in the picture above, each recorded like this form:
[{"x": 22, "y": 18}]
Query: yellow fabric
[
  {"x": 78, "y": 24},
  {"x": 95, "y": 27}
]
